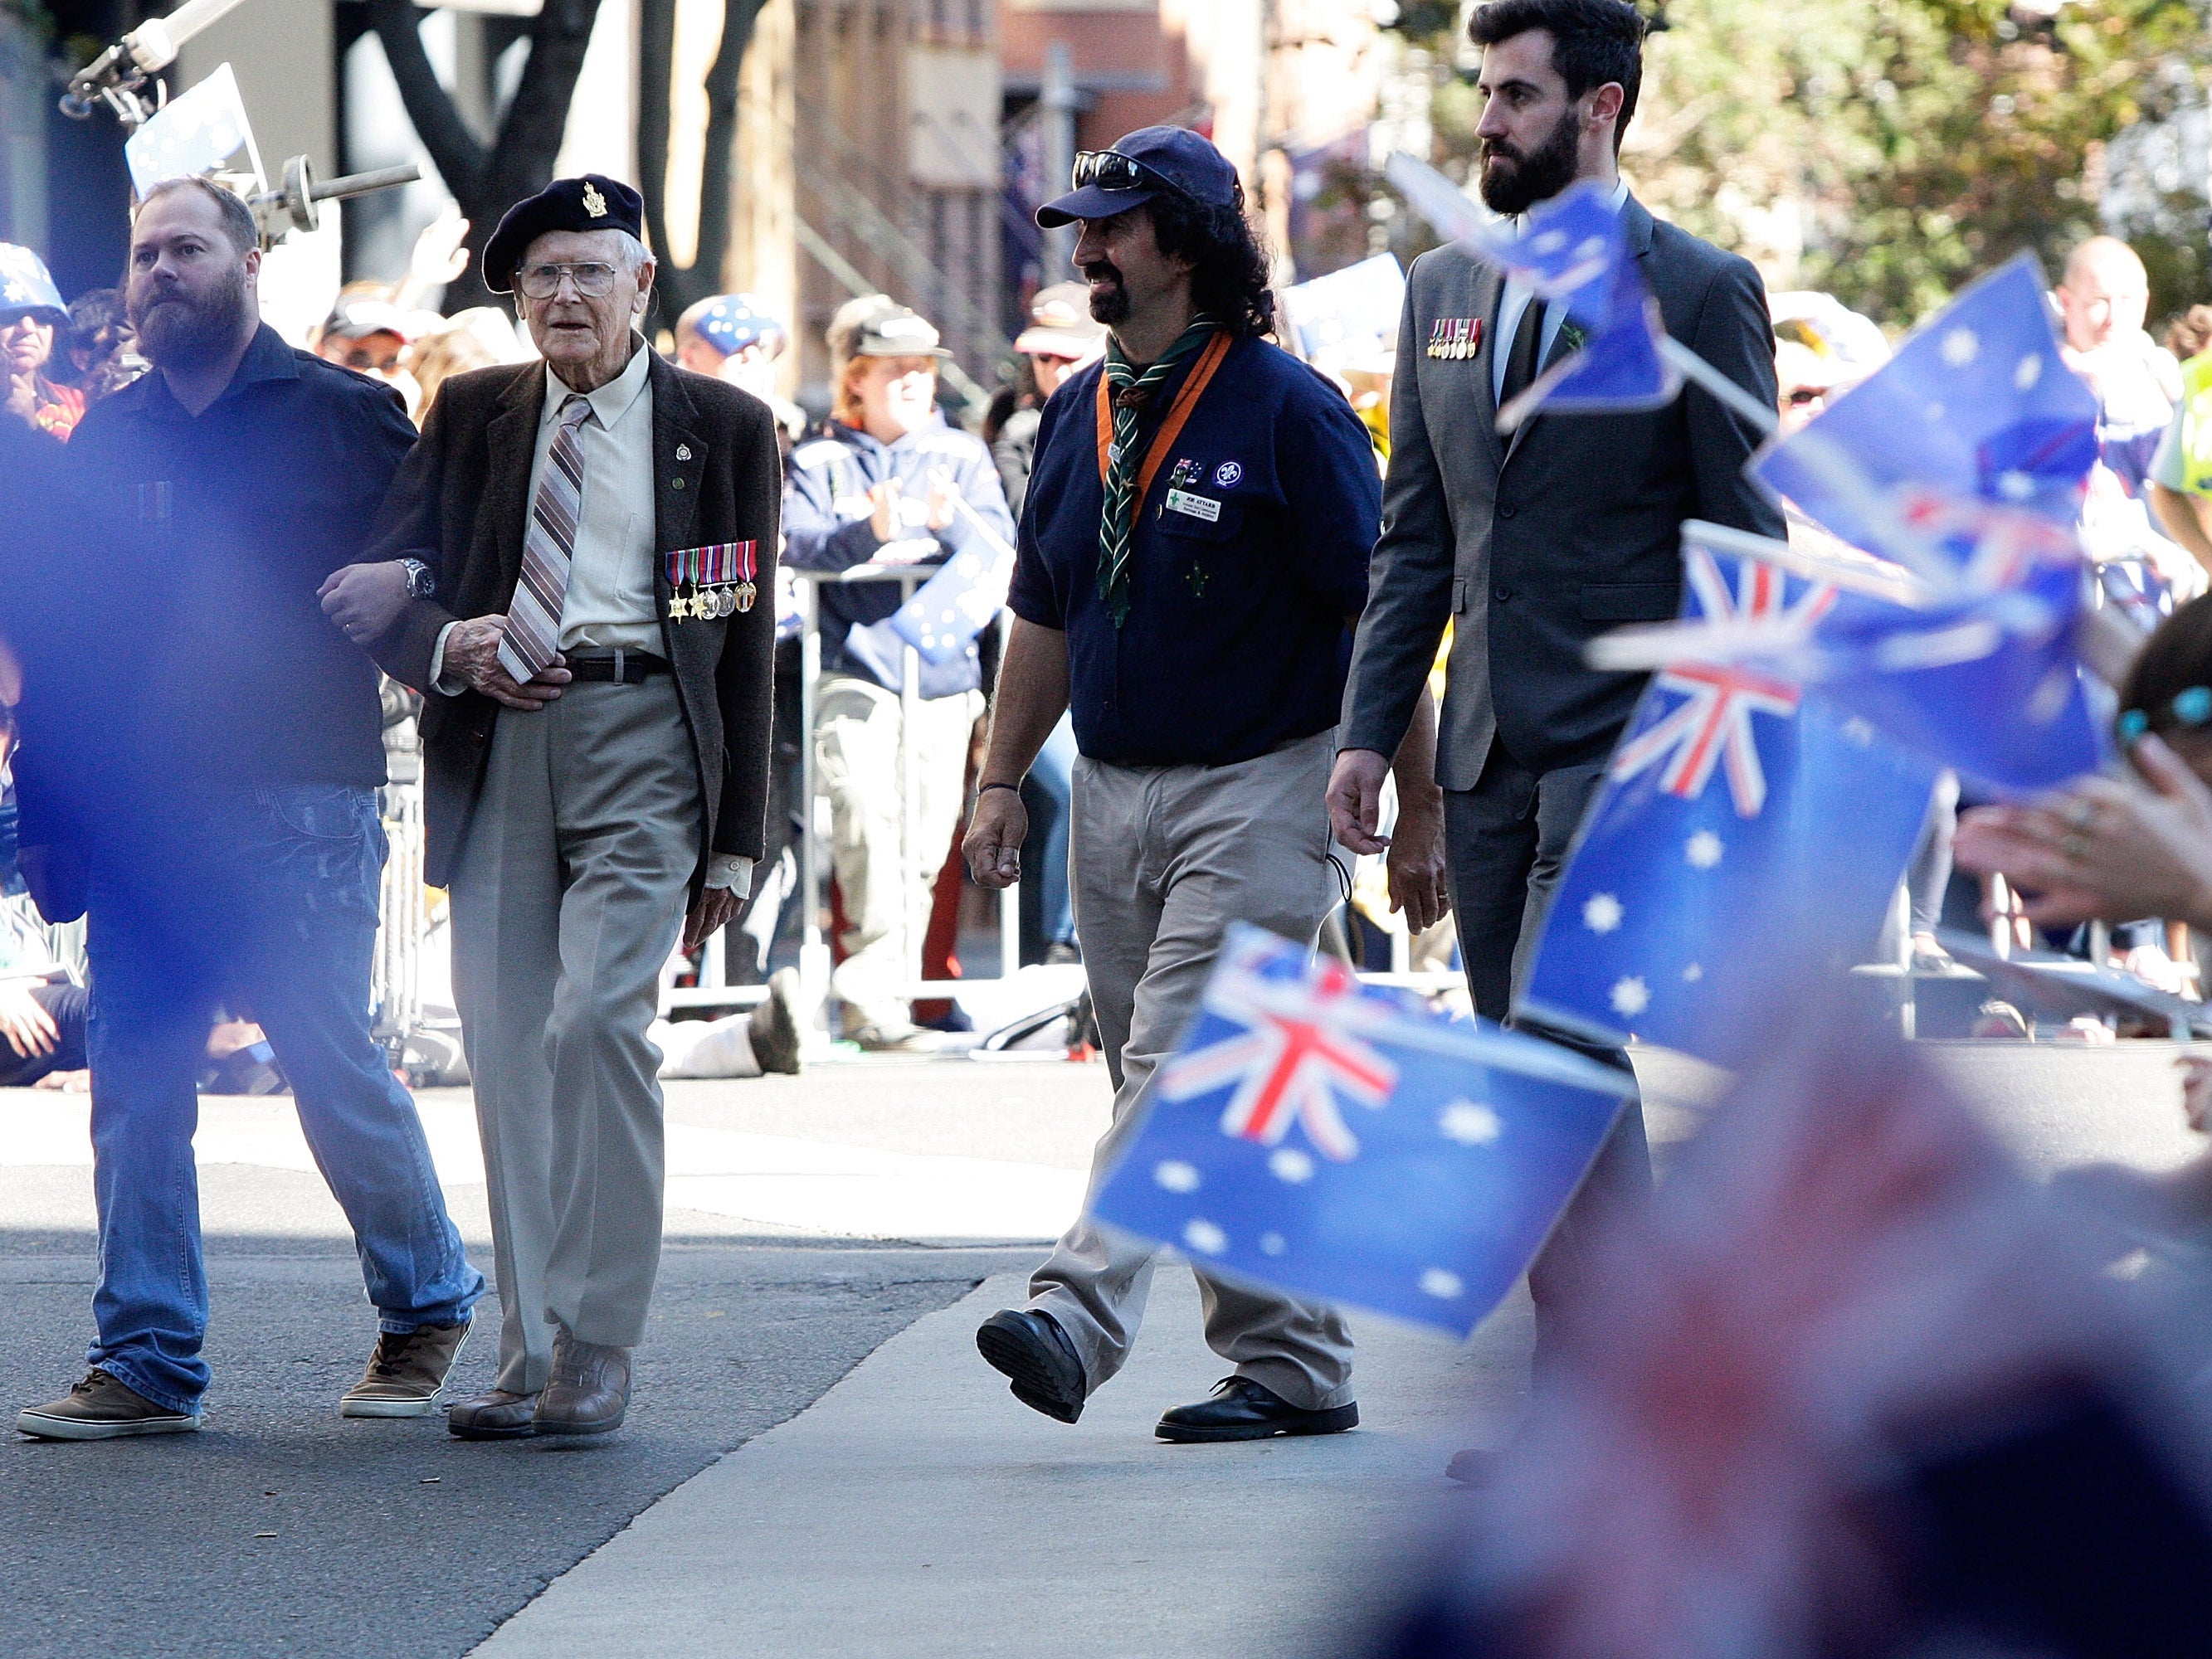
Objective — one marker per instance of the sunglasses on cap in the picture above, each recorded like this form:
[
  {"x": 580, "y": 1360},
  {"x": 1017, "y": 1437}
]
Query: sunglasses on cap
[
  {"x": 1109, "y": 169},
  {"x": 2190, "y": 707}
]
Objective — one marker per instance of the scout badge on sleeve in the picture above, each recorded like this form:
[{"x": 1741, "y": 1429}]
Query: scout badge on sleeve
[{"x": 707, "y": 582}]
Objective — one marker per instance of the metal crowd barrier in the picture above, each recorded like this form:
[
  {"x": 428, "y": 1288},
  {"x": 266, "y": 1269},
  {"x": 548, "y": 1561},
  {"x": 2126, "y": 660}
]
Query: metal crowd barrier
[
  {"x": 402, "y": 919},
  {"x": 812, "y": 895}
]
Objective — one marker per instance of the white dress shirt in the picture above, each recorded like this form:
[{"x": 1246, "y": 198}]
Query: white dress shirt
[
  {"x": 1515, "y": 301},
  {"x": 608, "y": 605}
]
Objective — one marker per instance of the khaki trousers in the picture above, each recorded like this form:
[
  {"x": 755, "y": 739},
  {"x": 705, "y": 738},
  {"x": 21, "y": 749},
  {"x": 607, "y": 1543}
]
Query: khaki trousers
[
  {"x": 887, "y": 886},
  {"x": 1162, "y": 859},
  {"x": 566, "y": 900}
]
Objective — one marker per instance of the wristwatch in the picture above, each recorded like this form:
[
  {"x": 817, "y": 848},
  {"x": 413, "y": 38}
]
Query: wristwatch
[{"x": 420, "y": 583}]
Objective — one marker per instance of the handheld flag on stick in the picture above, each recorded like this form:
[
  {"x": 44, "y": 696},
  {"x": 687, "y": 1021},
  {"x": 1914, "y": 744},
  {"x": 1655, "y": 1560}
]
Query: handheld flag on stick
[
  {"x": 196, "y": 132},
  {"x": 1742, "y": 823},
  {"x": 1343, "y": 1142},
  {"x": 1575, "y": 252}
]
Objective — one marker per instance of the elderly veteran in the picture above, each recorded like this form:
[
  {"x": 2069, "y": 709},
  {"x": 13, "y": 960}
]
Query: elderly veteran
[{"x": 579, "y": 559}]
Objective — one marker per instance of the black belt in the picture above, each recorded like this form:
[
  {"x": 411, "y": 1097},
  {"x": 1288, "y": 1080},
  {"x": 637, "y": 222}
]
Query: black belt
[{"x": 630, "y": 667}]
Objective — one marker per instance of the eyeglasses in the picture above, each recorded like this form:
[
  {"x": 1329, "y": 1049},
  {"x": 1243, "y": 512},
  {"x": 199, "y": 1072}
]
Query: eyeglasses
[
  {"x": 2191, "y": 706},
  {"x": 593, "y": 281},
  {"x": 1110, "y": 169}
]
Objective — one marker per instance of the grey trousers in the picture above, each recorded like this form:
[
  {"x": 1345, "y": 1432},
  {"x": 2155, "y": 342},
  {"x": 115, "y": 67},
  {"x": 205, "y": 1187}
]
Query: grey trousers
[
  {"x": 1161, "y": 859},
  {"x": 566, "y": 900},
  {"x": 1506, "y": 844}
]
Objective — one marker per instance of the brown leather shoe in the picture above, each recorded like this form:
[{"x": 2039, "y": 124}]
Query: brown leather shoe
[
  {"x": 495, "y": 1414},
  {"x": 589, "y": 1392}
]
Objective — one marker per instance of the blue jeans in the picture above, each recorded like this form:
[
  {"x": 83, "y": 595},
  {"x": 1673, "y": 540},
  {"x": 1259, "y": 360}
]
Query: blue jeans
[{"x": 265, "y": 903}]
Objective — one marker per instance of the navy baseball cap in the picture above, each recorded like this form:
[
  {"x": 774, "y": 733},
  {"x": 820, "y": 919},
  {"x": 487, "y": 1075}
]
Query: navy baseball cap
[{"x": 1139, "y": 167}]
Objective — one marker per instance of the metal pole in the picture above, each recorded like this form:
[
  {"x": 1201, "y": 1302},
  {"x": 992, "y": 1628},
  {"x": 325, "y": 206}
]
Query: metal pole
[
  {"x": 910, "y": 866},
  {"x": 813, "y": 951},
  {"x": 1060, "y": 102}
]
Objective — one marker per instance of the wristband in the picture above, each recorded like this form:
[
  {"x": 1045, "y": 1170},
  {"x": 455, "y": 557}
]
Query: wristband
[{"x": 982, "y": 788}]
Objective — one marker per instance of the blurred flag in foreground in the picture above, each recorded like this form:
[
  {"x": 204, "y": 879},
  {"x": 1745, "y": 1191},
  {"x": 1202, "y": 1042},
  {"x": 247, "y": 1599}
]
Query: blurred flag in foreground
[
  {"x": 1574, "y": 252},
  {"x": 1740, "y": 823},
  {"x": 1343, "y": 1142},
  {"x": 196, "y": 132},
  {"x": 1848, "y": 1376},
  {"x": 1977, "y": 404}
]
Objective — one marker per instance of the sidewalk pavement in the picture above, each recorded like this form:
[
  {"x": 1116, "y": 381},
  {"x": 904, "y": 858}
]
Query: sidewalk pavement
[{"x": 918, "y": 1509}]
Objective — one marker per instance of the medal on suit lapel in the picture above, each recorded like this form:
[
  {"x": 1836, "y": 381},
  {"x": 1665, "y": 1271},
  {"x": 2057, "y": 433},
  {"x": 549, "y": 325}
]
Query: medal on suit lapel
[{"x": 746, "y": 567}]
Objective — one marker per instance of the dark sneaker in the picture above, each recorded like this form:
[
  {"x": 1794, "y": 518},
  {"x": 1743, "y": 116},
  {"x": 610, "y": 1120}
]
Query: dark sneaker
[
  {"x": 102, "y": 1407},
  {"x": 406, "y": 1375}
]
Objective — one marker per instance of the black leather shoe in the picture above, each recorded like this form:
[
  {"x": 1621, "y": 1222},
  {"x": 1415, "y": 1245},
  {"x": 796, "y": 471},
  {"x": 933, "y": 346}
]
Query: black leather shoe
[
  {"x": 589, "y": 1392},
  {"x": 496, "y": 1414},
  {"x": 1041, "y": 1364},
  {"x": 1240, "y": 1409}
]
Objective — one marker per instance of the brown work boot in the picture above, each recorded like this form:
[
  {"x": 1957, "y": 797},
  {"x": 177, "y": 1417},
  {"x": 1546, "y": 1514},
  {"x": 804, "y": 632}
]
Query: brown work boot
[
  {"x": 589, "y": 1392},
  {"x": 495, "y": 1414},
  {"x": 102, "y": 1407},
  {"x": 406, "y": 1375}
]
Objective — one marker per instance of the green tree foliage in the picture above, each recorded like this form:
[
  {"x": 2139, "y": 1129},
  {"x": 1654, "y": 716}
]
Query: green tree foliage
[{"x": 1890, "y": 150}]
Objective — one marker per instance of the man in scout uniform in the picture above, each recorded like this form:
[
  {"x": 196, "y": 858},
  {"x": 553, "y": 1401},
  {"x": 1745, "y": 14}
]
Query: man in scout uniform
[
  {"x": 595, "y": 534},
  {"x": 1193, "y": 545}
]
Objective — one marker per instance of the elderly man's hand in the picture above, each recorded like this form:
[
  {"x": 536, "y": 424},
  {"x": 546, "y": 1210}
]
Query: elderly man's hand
[
  {"x": 29, "y": 1029},
  {"x": 365, "y": 600},
  {"x": 2103, "y": 848},
  {"x": 472, "y": 655},
  {"x": 717, "y": 908},
  {"x": 993, "y": 845},
  {"x": 1355, "y": 800}
]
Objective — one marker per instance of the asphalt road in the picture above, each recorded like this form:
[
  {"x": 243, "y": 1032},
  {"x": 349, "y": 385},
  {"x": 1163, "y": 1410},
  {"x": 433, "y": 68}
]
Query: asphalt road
[{"x": 281, "y": 1529}]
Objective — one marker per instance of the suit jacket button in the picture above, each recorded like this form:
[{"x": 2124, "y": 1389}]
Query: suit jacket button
[
  {"x": 1502, "y": 594},
  {"x": 1506, "y": 509}
]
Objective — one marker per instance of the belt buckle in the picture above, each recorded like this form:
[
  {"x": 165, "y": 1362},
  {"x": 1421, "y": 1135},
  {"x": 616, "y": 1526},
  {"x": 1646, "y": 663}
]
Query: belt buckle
[{"x": 619, "y": 667}]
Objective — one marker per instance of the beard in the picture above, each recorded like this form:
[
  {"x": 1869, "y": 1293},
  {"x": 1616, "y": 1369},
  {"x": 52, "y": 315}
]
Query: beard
[
  {"x": 1537, "y": 176},
  {"x": 1112, "y": 306},
  {"x": 176, "y": 329}
]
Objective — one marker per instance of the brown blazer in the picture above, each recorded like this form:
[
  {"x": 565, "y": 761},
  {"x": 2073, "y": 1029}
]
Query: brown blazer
[{"x": 460, "y": 503}]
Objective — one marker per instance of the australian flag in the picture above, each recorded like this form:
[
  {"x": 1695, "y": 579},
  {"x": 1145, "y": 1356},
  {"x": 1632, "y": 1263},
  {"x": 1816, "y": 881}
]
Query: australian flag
[
  {"x": 1741, "y": 823},
  {"x": 1965, "y": 458},
  {"x": 1573, "y": 252},
  {"x": 1343, "y": 1142},
  {"x": 196, "y": 132},
  {"x": 1977, "y": 404}
]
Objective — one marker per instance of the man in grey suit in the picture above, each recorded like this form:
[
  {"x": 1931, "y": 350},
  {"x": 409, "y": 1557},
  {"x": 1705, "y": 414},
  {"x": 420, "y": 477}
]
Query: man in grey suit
[{"x": 1530, "y": 545}]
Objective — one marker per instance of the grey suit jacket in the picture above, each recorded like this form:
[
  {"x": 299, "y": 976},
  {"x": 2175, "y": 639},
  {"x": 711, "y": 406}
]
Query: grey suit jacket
[{"x": 1535, "y": 544}]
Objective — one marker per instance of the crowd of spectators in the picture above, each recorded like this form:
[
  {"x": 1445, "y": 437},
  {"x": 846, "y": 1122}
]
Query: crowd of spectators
[{"x": 872, "y": 489}]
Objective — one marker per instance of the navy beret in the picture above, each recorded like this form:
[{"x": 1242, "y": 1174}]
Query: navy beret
[{"x": 593, "y": 201}]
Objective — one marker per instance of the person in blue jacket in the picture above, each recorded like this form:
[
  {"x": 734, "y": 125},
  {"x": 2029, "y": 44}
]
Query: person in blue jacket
[{"x": 878, "y": 488}]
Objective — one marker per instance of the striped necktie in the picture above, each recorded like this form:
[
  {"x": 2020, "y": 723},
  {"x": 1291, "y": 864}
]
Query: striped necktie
[
  {"x": 1125, "y": 460},
  {"x": 533, "y": 615}
]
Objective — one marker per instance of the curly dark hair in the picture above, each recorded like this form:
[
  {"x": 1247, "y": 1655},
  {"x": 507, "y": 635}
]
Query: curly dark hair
[{"x": 1228, "y": 265}]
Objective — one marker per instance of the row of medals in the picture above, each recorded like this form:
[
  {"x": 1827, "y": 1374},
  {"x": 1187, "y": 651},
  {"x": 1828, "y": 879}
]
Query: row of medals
[{"x": 706, "y": 602}]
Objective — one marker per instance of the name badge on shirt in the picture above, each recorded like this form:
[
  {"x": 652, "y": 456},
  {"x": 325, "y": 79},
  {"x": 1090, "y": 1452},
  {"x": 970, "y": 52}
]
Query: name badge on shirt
[{"x": 1197, "y": 507}]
